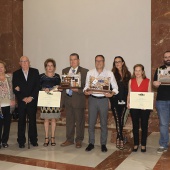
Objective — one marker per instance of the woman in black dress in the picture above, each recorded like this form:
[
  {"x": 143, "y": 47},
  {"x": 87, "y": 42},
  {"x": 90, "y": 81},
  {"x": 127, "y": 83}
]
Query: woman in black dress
[
  {"x": 48, "y": 80},
  {"x": 118, "y": 102}
]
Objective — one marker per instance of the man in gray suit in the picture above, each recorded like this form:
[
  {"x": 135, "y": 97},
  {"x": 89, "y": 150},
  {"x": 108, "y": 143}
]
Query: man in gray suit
[{"x": 74, "y": 102}]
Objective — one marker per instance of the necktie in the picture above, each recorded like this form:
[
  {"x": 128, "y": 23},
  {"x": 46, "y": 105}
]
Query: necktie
[{"x": 70, "y": 91}]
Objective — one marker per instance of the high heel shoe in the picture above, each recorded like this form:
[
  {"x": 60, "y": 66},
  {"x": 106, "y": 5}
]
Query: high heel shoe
[
  {"x": 53, "y": 143},
  {"x": 135, "y": 149},
  {"x": 121, "y": 147},
  {"x": 117, "y": 143},
  {"x": 46, "y": 143},
  {"x": 143, "y": 150}
]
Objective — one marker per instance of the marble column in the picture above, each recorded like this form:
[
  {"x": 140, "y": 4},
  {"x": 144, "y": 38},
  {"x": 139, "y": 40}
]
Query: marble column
[
  {"x": 160, "y": 42},
  {"x": 11, "y": 32}
]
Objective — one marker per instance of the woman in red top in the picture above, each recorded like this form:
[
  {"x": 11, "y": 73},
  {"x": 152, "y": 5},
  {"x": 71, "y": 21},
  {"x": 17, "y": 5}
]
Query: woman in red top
[{"x": 139, "y": 83}]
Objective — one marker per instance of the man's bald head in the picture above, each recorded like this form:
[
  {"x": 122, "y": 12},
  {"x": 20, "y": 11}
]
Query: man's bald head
[{"x": 24, "y": 63}]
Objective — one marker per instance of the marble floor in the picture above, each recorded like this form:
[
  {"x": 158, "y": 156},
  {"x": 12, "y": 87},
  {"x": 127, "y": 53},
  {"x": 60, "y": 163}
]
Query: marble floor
[{"x": 70, "y": 158}]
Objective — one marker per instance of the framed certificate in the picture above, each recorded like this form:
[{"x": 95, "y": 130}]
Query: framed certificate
[
  {"x": 141, "y": 100},
  {"x": 51, "y": 99},
  {"x": 164, "y": 76}
]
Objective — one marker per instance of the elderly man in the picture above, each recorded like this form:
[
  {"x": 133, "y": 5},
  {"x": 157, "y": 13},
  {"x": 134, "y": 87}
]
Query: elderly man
[
  {"x": 26, "y": 87},
  {"x": 74, "y": 102},
  {"x": 99, "y": 102},
  {"x": 163, "y": 104}
]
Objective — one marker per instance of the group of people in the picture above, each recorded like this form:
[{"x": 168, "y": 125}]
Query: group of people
[{"x": 26, "y": 82}]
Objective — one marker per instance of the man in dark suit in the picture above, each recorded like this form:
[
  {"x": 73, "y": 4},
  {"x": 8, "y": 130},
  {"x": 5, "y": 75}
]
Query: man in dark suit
[
  {"x": 74, "y": 102},
  {"x": 26, "y": 88}
]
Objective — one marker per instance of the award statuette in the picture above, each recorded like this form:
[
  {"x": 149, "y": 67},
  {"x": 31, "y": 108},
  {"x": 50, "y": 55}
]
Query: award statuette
[
  {"x": 70, "y": 81},
  {"x": 99, "y": 85},
  {"x": 164, "y": 76}
]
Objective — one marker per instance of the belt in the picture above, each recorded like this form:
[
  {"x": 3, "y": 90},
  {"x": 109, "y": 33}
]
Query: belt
[
  {"x": 98, "y": 97},
  {"x": 69, "y": 95}
]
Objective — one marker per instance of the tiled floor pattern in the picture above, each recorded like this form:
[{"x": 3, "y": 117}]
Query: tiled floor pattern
[{"x": 70, "y": 158}]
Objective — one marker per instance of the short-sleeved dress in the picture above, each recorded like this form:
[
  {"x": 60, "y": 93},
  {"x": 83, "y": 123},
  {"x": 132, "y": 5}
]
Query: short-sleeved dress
[{"x": 49, "y": 82}]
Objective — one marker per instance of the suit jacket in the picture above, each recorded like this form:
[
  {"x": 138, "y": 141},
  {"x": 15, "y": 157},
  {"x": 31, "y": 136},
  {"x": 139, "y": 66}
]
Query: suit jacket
[
  {"x": 78, "y": 98},
  {"x": 29, "y": 87}
]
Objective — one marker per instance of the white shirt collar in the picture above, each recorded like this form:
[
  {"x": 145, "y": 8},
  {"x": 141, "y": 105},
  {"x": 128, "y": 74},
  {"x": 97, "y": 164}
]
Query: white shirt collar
[{"x": 74, "y": 69}]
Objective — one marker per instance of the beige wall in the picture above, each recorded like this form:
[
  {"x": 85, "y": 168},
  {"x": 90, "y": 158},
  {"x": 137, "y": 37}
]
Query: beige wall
[{"x": 56, "y": 28}]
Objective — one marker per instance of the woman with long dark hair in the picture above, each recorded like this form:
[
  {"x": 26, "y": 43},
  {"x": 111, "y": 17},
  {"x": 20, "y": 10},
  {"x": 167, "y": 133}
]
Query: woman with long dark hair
[{"x": 119, "y": 101}]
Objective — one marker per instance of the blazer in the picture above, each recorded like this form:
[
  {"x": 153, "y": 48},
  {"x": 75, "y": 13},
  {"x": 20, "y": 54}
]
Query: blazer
[
  {"x": 29, "y": 87},
  {"x": 78, "y": 98}
]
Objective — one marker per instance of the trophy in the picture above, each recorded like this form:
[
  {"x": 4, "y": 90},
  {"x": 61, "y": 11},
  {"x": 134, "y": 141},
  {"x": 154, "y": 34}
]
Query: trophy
[
  {"x": 99, "y": 84},
  {"x": 69, "y": 81},
  {"x": 164, "y": 76}
]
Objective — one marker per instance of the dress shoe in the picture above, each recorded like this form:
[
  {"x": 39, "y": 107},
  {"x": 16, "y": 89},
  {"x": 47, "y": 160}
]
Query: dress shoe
[
  {"x": 21, "y": 146},
  {"x": 78, "y": 144},
  {"x": 90, "y": 147},
  {"x": 143, "y": 149},
  {"x": 103, "y": 148},
  {"x": 66, "y": 143},
  {"x": 5, "y": 145},
  {"x": 34, "y": 144},
  {"x": 135, "y": 148}
]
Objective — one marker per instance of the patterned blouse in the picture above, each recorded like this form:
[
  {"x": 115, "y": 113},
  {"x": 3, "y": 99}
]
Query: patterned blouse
[{"x": 6, "y": 92}]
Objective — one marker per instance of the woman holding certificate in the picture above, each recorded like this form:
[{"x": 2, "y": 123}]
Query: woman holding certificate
[
  {"x": 139, "y": 83},
  {"x": 118, "y": 102},
  {"x": 48, "y": 80}
]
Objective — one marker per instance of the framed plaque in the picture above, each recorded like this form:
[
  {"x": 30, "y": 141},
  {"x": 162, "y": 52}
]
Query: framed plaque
[
  {"x": 141, "y": 100},
  {"x": 99, "y": 84},
  {"x": 70, "y": 81},
  {"x": 164, "y": 76}
]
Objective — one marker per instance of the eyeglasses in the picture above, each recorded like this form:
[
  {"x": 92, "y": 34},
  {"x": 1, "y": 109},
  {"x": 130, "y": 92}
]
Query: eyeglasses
[
  {"x": 98, "y": 61},
  {"x": 24, "y": 61},
  {"x": 116, "y": 62}
]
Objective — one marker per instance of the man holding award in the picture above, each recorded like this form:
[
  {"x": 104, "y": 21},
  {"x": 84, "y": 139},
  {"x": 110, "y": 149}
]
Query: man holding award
[
  {"x": 73, "y": 99},
  {"x": 98, "y": 82},
  {"x": 162, "y": 82}
]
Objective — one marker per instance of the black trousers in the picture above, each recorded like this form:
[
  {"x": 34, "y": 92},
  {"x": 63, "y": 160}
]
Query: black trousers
[
  {"x": 5, "y": 124},
  {"x": 140, "y": 118},
  {"x": 119, "y": 113},
  {"x": 30, "y": 111}
]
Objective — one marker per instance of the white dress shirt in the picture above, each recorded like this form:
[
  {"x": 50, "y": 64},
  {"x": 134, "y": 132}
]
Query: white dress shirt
[
  {"x": 71, "y": 70},
  {"x": 25, "y": 74},
  {"x": 105, "y": 73}
]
